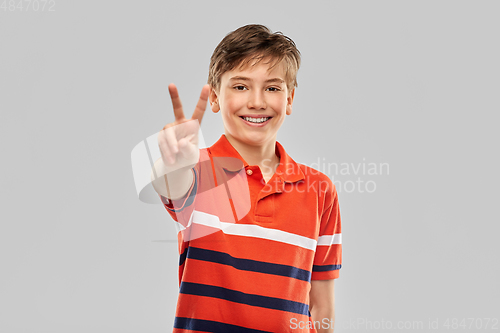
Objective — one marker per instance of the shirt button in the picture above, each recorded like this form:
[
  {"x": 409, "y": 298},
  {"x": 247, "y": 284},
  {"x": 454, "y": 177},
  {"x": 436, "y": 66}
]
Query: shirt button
[{"x": 249, "y": 172}]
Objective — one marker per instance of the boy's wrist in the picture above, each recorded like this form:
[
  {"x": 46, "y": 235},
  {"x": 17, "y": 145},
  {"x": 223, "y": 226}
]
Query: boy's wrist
[
  {"x": 178, "y": 183},
  {"x": 169, "y": 182}
]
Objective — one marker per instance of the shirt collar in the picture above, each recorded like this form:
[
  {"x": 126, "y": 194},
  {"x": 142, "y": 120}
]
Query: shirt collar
[{"x": 229, "y": 159}]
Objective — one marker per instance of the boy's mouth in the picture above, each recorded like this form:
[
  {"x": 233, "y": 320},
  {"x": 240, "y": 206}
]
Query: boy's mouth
[{"x": 256, "y": 120}]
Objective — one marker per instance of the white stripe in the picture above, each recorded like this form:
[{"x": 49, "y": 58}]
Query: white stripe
[
  {"x": 180, "y": 227},
  {"x": 251, "y": 230},
  {"x": 329, "y": 240}
]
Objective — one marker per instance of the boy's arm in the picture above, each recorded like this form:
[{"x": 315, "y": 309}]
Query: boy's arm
[
  {"x": 171, "y": 175},
  {"x": 327, "y": 262},
  {"x": 322, "y": 304}
]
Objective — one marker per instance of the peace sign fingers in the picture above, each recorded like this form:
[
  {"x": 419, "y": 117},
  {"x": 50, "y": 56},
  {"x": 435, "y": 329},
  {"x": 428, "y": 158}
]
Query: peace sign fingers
[
  {"x": 201, "y": 106},
  {"x": 176, "y": 102}
]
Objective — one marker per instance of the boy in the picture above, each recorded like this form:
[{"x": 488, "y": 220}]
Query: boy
[{"x": 260, "y": 235}]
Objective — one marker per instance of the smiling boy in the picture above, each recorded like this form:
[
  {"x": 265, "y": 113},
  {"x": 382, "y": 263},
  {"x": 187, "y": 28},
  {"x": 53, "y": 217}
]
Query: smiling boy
[{"x": 260, "y": 235}]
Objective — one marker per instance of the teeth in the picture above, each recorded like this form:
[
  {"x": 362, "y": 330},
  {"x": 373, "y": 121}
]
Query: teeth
[{"x": 256, "y": 120}]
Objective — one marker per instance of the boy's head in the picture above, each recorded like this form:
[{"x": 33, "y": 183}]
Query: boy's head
[
  {"x": 253, "y": 79},
  {"x": 249, "y": 45}
]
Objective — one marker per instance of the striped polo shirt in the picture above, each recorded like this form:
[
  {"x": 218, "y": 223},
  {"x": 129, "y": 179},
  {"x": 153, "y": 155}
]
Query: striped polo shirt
[{"x": 249, "y": 249}]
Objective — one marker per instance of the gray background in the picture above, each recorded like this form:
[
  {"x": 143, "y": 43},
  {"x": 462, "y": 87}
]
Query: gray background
[{"x": 410, "y": 83}]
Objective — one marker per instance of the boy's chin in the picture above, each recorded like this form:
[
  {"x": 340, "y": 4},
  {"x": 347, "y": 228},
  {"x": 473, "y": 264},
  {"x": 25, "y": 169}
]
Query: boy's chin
[{"x": 253, "y": 139}]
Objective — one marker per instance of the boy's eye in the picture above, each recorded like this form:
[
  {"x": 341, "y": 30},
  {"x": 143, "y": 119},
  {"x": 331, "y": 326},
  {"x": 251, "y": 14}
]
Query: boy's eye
[
  {"x": 239, "y": 87},
  {"x": 274, "y": 89}
]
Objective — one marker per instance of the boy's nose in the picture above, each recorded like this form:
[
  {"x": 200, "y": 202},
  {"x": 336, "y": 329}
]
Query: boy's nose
[{"x": 256, "y": 101}]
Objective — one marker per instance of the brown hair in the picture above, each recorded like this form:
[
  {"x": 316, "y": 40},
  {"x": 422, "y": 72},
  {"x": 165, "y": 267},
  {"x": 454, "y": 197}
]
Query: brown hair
[{"x": 254, "y": 42}]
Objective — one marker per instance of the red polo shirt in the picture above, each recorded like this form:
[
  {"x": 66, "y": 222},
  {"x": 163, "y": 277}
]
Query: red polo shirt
[{"x": 249, "y": 249}]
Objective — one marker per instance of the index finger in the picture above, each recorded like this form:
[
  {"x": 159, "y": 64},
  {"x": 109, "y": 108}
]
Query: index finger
[
  {"x": 199, "y": 111},
  {"x": 176, "y": 102}
]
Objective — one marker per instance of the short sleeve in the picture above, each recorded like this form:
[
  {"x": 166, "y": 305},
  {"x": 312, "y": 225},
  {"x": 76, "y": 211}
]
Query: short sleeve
[{"x": 328, "y": 256}]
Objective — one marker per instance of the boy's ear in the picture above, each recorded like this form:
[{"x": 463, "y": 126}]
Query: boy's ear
[
  {"x": 214, "y": 100},
  {"x": 289, "y": 102}
]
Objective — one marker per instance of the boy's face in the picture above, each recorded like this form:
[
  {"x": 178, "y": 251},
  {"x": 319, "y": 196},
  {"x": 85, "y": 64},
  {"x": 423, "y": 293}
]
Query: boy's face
[{"x": 246, "y": 96}]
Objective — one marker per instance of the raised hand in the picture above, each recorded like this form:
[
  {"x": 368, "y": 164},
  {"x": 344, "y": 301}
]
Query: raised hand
[{"x": 178, "y": 141}]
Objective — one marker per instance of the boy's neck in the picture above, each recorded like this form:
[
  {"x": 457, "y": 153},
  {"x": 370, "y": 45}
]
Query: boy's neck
[{"x": 264, "y": 155}]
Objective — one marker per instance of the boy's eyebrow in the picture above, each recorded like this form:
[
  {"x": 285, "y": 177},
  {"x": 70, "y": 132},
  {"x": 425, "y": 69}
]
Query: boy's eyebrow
[{"x": 243, "y": 78}]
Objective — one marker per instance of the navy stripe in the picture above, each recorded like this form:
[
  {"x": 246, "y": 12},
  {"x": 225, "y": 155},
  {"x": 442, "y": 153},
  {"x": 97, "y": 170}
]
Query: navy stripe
[
  {"x": 189, "y": 200},
  {"x": 244, "y": 298},
  {"x": 325, "y": 268},
  {"x": 182, "y": 257},
  {"x": 211, "y": 326},
  {"x": 248, "y": 264}
]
